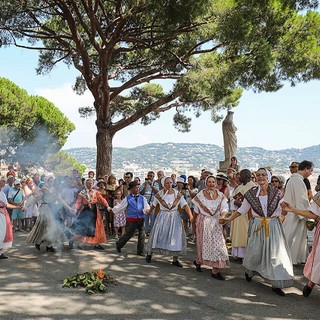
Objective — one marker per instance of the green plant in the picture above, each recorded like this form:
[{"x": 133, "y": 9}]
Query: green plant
[{"x": 94, "y": 282}]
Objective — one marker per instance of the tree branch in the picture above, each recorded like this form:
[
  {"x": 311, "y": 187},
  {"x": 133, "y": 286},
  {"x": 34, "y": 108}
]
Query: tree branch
[{"x": 141, "y": 113}]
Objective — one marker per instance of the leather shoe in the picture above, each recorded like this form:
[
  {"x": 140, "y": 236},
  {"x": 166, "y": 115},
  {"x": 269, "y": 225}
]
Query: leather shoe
[
  {"x": 306, "y": 291},
  {"x": 37, "y": 246},
  {"x": 177, "y": 263},
  {"x": 148, "y": 258},
  {"x": 278, "y": 291},
  {"x": 51, "y": 249},
  {"x": 247, "y": 277},
  {"x": 197, "y": 265},
  {"x": 118, "y": 248},
  {"x": 140, "y": 254},
  {"x": 2, "y": 256},
  {"x": 218, "y": 276}
]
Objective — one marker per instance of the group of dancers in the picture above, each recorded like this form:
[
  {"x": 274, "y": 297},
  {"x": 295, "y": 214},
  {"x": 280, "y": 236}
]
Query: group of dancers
[{"x": 267, "y": 253}]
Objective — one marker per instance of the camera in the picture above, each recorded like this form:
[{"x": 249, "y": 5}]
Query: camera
[{"x": 185, "y": 186}]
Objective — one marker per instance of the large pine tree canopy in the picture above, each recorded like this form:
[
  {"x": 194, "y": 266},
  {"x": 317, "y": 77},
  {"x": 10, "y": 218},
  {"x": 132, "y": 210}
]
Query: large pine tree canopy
[{"x": 209, "y": 51}]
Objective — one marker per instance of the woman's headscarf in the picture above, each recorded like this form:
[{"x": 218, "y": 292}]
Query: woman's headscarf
[
  {"x": 85, "y": 182},
  {"x": 165, "y": 191},
  {"x": 163, "y": 180},
  {"x": 210, "y": 176},
  {"x": 269, "y": 175}
]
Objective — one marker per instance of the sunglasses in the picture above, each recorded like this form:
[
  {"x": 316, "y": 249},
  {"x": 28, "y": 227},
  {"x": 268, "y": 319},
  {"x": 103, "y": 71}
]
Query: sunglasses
[
  {"x": 274, "y": 181},
  {"x": 293, "y": 167}
]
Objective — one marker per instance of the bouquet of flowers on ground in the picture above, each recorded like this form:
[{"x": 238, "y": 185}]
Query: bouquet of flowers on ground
[{"x": 95, "y": 281}]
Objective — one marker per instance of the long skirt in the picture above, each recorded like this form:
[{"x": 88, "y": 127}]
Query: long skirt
[
  {"x": 312, "y": 268},
  {"x": 46, "y": 228},
  {"x": 211, "y": 246},
  {"x": 88, "y": 227},
  {"x": 239, "y": 236},
  {"x": 6, "y": 235},
  {"x": 268, "y": 253},
  {"x": 167, "y": 235}
]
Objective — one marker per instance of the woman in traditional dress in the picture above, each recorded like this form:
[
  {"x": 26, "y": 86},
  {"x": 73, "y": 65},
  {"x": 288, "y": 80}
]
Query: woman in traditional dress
[
  {"x": 210, "y": 204},
  {"x": 101, "y": 187},
  {"x": 312, "y": 267},
  {"x": 267, "y": 251},
  {"x": 47, "y": 228},
  {"x": 167, "y": 235},
  {"x": 239, "y": 226},
  {"x": 88, "y": 227},
  {"x": 6, "y": 235}
]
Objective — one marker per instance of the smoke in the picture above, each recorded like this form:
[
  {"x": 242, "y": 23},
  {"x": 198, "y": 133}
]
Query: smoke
[
  {"x": 27, "y": 148},
  {"x": 35, "y": 152}
]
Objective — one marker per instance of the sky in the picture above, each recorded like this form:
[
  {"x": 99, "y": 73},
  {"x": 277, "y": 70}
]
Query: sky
[{"x": 284, "y": 119}]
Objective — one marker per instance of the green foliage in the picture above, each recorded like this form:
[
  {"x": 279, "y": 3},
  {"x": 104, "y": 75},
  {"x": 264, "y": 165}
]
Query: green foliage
[
  {"x": 31, "y": 127},
  {"x": 61, "y": 163},
  {"x": 94, "y": 282},
  {"x": 207, "y": 50},
  {"x": 299, "y": 48}
]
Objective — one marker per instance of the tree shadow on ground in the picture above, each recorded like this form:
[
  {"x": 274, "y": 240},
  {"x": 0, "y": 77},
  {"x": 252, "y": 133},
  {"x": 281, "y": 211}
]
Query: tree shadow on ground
[{"x": 31, "y": 288}]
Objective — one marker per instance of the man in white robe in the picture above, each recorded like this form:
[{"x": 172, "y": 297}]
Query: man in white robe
[{"x": 294, "y": 226}]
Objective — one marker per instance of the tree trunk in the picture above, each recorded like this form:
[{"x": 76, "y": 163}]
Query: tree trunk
[{"x": 104, "y": 150}]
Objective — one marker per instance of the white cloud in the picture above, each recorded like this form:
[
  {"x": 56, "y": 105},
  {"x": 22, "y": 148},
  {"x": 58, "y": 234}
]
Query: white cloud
[{"x": 69, "y": 102}]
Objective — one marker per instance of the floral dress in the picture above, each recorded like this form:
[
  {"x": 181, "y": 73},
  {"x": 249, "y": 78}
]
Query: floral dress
[
  {"x": 120, "y": 217},
  {"x": 211, "y": 247}
]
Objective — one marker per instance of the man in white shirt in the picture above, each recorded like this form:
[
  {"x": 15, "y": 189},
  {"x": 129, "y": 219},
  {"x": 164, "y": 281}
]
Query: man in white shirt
[{"x": 294, "y": 226}]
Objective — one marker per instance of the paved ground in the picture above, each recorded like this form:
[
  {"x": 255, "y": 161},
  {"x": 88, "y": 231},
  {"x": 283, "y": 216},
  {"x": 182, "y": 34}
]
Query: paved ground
[{"x": 30, "y": 288}]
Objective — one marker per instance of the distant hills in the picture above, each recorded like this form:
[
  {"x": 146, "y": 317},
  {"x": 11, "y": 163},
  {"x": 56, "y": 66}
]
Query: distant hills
[{"x": 190, "y": 156}]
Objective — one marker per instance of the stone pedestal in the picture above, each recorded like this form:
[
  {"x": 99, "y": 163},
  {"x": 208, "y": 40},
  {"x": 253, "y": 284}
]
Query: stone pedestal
[{"x": 224, "y": 165}]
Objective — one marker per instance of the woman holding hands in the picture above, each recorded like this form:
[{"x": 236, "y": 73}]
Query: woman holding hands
[
  {"x": 168, "y": 235},
  {"x": 210, "y": 204},
  {"x": 312, "y": 267},
  {"x": 267, "y": 251}
]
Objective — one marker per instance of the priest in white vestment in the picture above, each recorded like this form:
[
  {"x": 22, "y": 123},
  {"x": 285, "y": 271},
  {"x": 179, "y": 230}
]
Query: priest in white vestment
[{"x": 294, "y": 226}]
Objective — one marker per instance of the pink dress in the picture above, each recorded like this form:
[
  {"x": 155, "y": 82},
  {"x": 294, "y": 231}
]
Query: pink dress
[
  {"x": 120, "y": 217},
  {"x": 312, "y": 268}
]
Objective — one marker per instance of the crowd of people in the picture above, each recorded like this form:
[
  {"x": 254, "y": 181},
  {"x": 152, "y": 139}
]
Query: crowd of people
[{"x": 262, "y": 216}]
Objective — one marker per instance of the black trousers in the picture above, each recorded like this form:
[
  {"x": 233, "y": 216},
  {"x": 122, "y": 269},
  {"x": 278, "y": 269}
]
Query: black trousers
[{"x": 131, "y": 228}]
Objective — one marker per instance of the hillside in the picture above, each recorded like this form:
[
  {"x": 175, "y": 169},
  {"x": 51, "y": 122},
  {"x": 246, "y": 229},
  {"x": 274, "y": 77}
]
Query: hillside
[{"x": 177, "y": 156}]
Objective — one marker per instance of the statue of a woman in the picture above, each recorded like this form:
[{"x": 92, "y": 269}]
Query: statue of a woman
[{"x": 229, "y": 136}]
